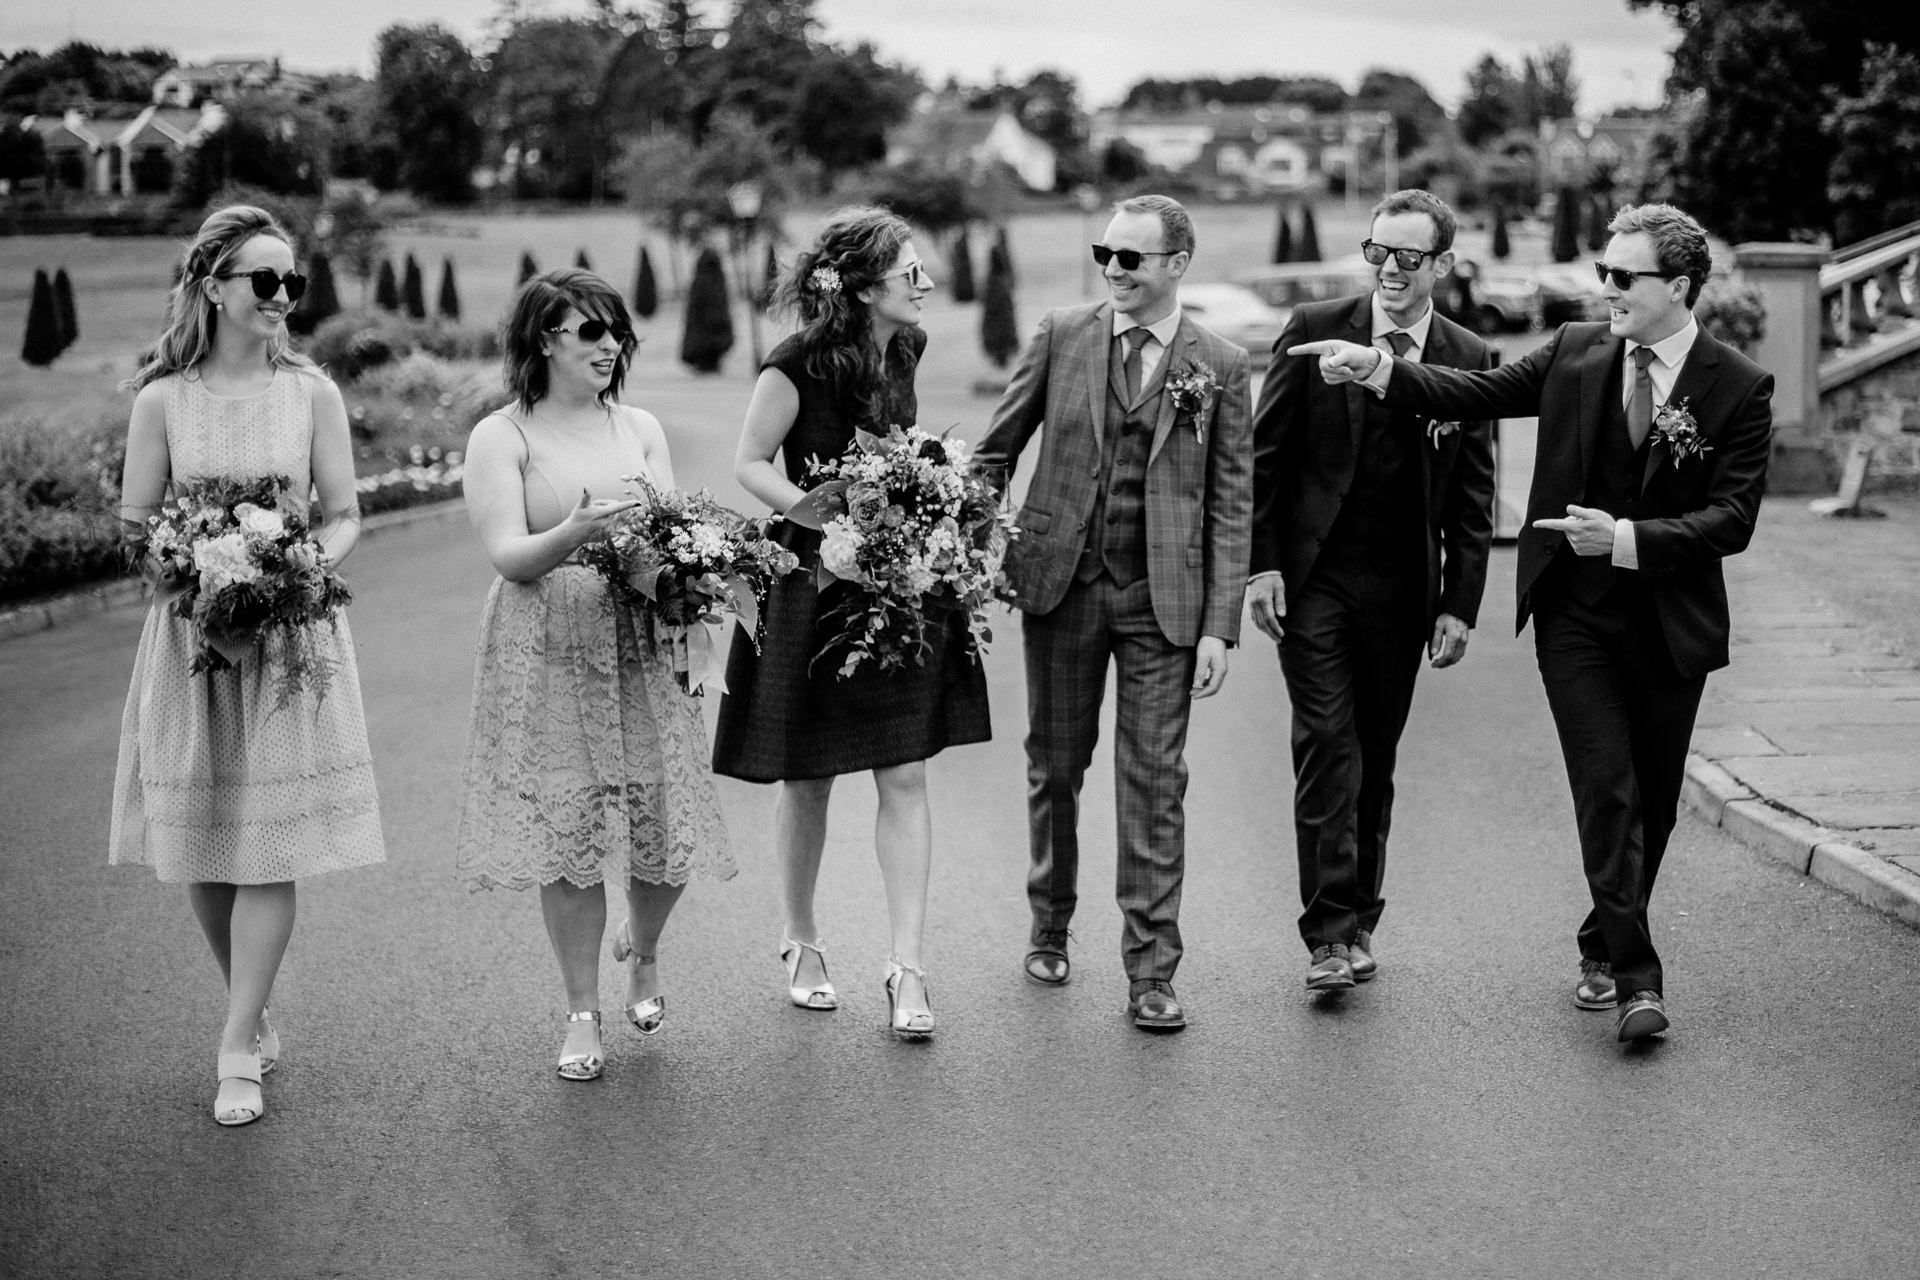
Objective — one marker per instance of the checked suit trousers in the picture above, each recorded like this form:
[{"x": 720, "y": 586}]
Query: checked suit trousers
[{"x": 1067, "y": 654}]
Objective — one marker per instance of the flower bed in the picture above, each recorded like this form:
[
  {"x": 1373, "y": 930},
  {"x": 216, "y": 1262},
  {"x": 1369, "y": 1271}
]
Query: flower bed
[
  {"x": 59, "y": 494},
  {"x": 431, "y": 476}
]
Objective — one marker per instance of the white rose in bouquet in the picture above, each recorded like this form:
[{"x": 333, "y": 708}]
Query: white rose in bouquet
[
  {"x": 223, "y": 561},
  {"x": 259, "y": 520},
  {"x": 840, "y": 549}
]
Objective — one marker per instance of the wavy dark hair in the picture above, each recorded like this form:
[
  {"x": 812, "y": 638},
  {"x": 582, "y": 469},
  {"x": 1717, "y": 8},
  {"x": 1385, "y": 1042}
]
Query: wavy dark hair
[
  {"x": 858, "y": 246},
  {"x": 537, "y": 307}
]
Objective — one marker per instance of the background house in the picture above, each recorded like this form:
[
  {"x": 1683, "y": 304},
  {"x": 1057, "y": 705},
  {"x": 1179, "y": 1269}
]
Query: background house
[
  {"x": 1274, "y": 147},
  {"x": 120, "y": 152},
  {"x": 1608, "y": 152},
  {"x": 226, "y": 78},
  {"x": 943, "y": 135}
]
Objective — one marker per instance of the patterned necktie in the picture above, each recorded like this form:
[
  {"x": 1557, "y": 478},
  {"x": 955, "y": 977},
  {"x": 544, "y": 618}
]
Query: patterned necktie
[
  {"x": 1640, "y": 407},
  {"x": 1401, "y": 341},
  {"x": 1136, "y": 338}
]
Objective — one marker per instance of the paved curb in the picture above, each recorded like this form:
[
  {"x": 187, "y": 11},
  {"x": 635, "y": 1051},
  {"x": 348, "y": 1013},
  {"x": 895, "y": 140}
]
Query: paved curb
[
  {"x": 99, "y": 597},
  {"x": 1784, "y": 836}
]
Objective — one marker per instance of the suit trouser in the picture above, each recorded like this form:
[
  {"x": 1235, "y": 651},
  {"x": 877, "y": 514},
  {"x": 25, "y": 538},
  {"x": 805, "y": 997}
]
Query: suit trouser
[
  {"x": 1625, "y": 717},
  {"x": 1066, "y": 653},
  {"x": 1351, "y": 653}
]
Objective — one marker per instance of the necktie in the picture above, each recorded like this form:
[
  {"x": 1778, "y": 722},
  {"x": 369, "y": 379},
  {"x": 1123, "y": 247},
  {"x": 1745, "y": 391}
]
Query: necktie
[
  {"x": 1640, "y": 407},
  {"x": 1401, "y": 341},
  {"x": 1136, "y": 338}
]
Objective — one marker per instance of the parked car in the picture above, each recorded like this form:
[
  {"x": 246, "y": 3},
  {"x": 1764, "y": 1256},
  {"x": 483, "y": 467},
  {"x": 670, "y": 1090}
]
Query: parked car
[
  {"x": 1511, "y": 299},
  {"x": 1237, "y": 314},
  {"x": 1569, "y": 291},
  {"x": 1289, "y": 284}
]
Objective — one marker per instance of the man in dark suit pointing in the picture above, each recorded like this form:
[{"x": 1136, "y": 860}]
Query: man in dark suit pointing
[
  {"x": 1651, "y": 462},
  {"x": 1370, "y": 535}
]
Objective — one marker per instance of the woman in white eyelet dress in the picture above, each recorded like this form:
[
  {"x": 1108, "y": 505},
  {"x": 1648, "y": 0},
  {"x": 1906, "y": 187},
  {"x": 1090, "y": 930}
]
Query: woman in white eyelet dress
[
  {"x": 586, "y": 763},
  {"x": 218, "y": 786}
]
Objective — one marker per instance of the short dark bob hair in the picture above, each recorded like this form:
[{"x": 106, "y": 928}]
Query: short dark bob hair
[
  {"x": 1679, "y": 243},
  {"x": 540, "y": 304},
  {"x": 1414, "y": 200}
]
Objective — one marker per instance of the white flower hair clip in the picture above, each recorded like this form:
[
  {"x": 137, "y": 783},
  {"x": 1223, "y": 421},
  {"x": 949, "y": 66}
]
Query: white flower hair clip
[{"x": 825, "y": 280}]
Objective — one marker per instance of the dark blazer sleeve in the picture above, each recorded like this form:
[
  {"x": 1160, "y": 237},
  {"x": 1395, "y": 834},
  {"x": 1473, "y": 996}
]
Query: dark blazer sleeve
[
  {"x": 1020, "y": 411},
  {"x": 1283, "y": 405},
  {"x": 1229, "y": 505},
  {"x": 1737, "y": 470},
  {"x": 1466, "y": 517},
  {"x": 1458, "y": 395}
]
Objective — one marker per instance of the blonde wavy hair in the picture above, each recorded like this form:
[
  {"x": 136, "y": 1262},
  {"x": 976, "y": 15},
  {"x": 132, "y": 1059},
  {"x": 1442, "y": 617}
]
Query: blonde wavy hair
[{"x": 187, "y": 336}]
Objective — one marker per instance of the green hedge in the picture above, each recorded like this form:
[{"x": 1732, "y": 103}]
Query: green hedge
[{"x": 59, "y": 493}]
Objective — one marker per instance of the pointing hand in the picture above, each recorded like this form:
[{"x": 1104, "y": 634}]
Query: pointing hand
[{"x": 1341, "y": 361}]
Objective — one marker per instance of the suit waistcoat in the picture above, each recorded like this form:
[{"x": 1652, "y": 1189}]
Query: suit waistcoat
[
  {"x": 1613, "y": 485},
  {"x": 1380, "y": 524},
  {"x": 1117, "y": 534}
]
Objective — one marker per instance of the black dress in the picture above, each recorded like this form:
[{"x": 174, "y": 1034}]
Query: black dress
[{"x": 780, "y": 719}]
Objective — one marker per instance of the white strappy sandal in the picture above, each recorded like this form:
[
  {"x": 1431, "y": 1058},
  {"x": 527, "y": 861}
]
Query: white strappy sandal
[
  {"x": 581, "y": 1067},
  {"x": 822, "y": 997},
  {"x": 648, "y": 1014},
  {"x": 908, "y": 1025},
  {"x": 240, "y": 1066},
  {"x": 267, "y": 1043}
]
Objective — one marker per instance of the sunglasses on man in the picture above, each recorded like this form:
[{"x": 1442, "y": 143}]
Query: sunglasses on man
[
  {"x": 267, "y": 282},
  {"x": 1129, "y": 258},
  {"x": 591, "y": 331},
  {"x": 1409, "y": 259},
  {"x": 1623, "y": 279}
]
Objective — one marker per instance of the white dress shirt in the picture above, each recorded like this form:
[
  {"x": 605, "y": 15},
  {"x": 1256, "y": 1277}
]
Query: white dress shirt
[{"x": 1154, "y": 347}]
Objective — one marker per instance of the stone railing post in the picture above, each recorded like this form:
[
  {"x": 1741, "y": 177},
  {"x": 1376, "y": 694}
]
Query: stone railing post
[{"x": 1787, "y": 277}]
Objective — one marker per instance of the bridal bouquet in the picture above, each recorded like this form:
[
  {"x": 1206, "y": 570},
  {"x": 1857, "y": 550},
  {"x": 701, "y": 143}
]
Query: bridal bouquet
[
  {"x": 690, "y": 565},
  {"x": 248, "y": 570},
  {"x": 904, "y": 523}
]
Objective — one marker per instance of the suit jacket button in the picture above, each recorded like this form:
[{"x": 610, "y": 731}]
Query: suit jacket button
[{"x": 1081, "y": 525}]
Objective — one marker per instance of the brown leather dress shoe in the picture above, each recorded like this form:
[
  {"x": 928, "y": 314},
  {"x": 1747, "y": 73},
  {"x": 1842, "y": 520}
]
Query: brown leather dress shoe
[
  {"x": 1330, "y": 968},
  {"x": 1596, "y": 989},
  {"x": 1048, "y": 967},
  {"x": 1644, "y": 1015},
  {"x": 1360, "y": 957},
  {"x": 1154, "y": 1008}
]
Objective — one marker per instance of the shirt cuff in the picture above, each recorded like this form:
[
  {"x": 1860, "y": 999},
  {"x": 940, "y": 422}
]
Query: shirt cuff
[
  {"x": 1626, "y": 555},
  {"x": 1376, "y": 381},
  {"x": 1265, "y": 573}
]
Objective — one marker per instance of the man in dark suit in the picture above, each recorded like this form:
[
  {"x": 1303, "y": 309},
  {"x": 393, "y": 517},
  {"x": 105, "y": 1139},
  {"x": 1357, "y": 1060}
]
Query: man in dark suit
[
  {"x": 1371, "y": 529},
  {"x": 1650, "y": 466},
  {"x": 1132, "y": 548}
]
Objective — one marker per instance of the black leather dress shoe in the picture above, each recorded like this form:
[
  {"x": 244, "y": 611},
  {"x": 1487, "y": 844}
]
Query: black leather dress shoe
[
  {"x": 1330, "y": 968},
  {"x": 1360, "y": 957},
  {"x": 1048, "y": 967},
  {"x": 1644, "y": 1015},
  {"x": 1596, "y": 989},
  {"x": 1154, "y": 1007}
]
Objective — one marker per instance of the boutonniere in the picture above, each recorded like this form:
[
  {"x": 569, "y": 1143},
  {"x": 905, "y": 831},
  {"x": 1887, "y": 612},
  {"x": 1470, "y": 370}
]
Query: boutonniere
[
  {"x": 1672, "y": 423},
  {"x": 1438, "y": 431},
  {"x": 1192, "y": 390}
]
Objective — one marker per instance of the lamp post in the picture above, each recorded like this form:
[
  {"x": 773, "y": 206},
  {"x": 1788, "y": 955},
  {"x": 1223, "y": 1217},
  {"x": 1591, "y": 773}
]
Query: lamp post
[
  {"x": 744, "y": 200},
  {"x": 1087, "y": 196}
]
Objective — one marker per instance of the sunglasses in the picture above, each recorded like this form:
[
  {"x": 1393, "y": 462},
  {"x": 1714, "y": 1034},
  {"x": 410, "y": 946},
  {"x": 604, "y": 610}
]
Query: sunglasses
[
  {"x": 1129, "y": 258},
  {"x": 916, "y": 275},
  {"x": 1623, "y": 279},
  {"x": 1409, "y": 259},
  {"x": 591, "y": 331},
  {"x": 266, "y": 282}
]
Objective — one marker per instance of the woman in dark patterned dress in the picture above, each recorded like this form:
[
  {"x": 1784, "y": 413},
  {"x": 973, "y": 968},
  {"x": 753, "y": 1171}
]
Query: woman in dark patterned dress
[{"x": 791, "y": 720}]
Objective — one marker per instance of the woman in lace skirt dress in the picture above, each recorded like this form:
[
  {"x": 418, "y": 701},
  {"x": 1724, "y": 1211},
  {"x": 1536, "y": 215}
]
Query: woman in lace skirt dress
[
  {"x": 218, "y": 786},
  {"x": 585, "y": 761}
]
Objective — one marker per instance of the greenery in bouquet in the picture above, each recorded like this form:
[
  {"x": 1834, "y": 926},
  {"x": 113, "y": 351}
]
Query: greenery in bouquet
[
  {"x": 914, "y": 535},
  {"x": 684, "y": 559},
  {"x": 249, "y": 574}
]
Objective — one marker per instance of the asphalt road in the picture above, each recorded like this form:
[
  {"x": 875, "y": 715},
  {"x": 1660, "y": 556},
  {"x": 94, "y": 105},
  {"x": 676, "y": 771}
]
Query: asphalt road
[{"x": 1458, "y": 1117}]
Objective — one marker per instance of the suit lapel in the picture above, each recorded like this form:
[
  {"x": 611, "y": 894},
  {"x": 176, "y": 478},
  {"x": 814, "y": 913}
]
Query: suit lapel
[
  {"x": 1696, "y": 380},
  {"x": 1183, "y": 340},
  {"x": 1595, "y": 367},
  {"x": 1360, "y": 330},
  {"x": 1095, "y": 352}
]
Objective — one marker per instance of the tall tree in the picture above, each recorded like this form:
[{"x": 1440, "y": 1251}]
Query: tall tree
[
  {"x": 646, "y": 290},
  {"x": 42, "y": 345},
  {"x": 545, "y": 83},
  {"x": 1416, "y": 116},
  {"x": 1549, "y": 90},
  {"x": 999, "y": 327},
  {"x": 266, "y": 143},
  {"x": 63, "y": 309},
  {"x": 78, "y": 75},
  {"x": 1491, "y": 105},
  {"x": 1874, "y": 178},
  {"x": 449, "y": 300},
  {"x": 430, "y": 94},
  {"x": 708, "y": 334}
]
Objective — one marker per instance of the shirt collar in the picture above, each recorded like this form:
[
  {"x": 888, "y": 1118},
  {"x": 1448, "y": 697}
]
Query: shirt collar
[
  {"x": 1384, "y": 324},
  {"x": 1162, "y": 329},
  {"x": 1670, "y": 350}
]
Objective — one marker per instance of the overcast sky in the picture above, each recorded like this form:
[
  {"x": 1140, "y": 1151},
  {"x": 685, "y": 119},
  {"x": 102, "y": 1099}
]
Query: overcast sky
[{"x": 1107, "y": 44}]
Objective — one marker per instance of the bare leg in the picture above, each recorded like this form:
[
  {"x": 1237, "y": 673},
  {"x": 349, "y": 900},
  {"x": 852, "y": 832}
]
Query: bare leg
[
  {"x": 258, "y": 926},
  {"x": 799, "y": 838},
  {"x": 212, "y": 904},
  {"x": 903, "y": 840},
  {"x": 576, "y": 921},
  {"x": 647, "y": 909}
]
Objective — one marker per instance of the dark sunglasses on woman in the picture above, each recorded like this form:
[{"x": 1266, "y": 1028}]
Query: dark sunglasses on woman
[
  {"x": 591, "y": 331},
  {"x": 1129, "y": 258},
  {"x": 267, "y": 282},
  {"x": 1623, "y": 279}
]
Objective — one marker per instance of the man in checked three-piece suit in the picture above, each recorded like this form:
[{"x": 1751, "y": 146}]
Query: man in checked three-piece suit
[{"x": 1132, "y": 546}]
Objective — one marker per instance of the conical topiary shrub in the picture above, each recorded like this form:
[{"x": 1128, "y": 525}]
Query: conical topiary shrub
[
  {"x": 1309, "y": 247},
  {"x": 527, "y": 270},
  {"x": 580, "y": 260},
  {"x": 449, "y": 307},
  {"x": 1283, "y": 238},
  {"x": 962, "y": 284},
  {"x": 321, "y": 300},
  {"x": 769, "y": 280},
  {"x": 646, "y": 291},
  {"x": 63, "y": 311},
  {"x": 1599, "y": 214},
  {"x": 1004, "y": 247},
  {"x": 42, "y": 343},
  {"x": 1566, "y": 226},
  {"x": 414, "y": 291},
  {"x": 1502, "y": 246},
  {"x": 709, "y": 323},
  {"x": 386, "y": 289},
  {"x": 999, "y": 329}
]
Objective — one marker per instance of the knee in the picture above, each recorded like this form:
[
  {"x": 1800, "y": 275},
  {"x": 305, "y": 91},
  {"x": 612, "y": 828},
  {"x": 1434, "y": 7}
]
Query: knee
[
  {"x": 902, "y": 782},
  {"x": 810, "y": 795}
]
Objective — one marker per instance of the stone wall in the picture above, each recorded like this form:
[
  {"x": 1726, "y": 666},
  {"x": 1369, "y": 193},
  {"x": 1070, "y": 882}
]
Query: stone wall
[{"x": 1885, "y": 406}]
